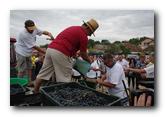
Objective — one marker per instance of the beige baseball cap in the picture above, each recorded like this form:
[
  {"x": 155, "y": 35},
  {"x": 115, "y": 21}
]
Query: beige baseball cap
[{"x": 30, "y": 25}]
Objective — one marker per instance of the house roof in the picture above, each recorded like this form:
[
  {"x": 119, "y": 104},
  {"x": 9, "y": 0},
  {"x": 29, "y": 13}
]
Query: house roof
[{"x": 132, "y": 47}]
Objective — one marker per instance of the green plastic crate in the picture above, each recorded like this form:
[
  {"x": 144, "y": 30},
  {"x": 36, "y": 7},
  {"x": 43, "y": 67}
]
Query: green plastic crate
[{"x": 20, "y": 81}]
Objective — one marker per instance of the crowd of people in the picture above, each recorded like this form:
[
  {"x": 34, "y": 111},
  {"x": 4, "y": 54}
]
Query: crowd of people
[
  {"x": 112, "y": 71},
  {"x": 115, "y": 71}
]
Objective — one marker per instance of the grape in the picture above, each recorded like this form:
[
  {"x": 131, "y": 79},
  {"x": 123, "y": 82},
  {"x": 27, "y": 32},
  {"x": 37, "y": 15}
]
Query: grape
[{"x": 77, "y": 96}]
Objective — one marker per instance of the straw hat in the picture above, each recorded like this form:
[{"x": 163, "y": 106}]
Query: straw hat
[{"x": 92, "y": 24}]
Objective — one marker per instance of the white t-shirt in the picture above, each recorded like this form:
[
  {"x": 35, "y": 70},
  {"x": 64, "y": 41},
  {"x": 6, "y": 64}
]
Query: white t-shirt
[
  {"x": 149, "y": 64},
  {"x": 149, "y": 71},
  {"x": 115, "y": 75},
  {"x": 92, "y": 73},
  {"x": 124, "y": 63},
  {"x": 26, "y": 41}
]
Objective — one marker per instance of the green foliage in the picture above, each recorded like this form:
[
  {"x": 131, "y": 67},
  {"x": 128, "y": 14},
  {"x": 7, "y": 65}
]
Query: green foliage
[
  {"x": 106, "y": 42},
  {"x": 117, "y": 48},
  {"x": 125, "y": 50},
  {"x": 135, "y": 41},
  {"x": 113, "y": 48},
  {"x": 91, "y": 43},
  {"x": 97, "y": 42},
  {"x": 117, "y": 42}
]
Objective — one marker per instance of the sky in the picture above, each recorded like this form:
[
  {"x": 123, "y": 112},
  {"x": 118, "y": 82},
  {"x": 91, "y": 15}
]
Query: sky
[{"x": 114, "y": 25}]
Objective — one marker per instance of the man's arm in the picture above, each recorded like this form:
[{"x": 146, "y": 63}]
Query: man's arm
[
  {"x": 95, "y": 69},
  {"x": 84, "y": 55},
  {"x": 48, "y": 34},
  {"x": 103, "y": 77},
  {"x": 107, "y": 84},
  {"x": 136, "y": 70},
  {"x": 104, "y": 83},
  {"x": 39, "y": 49}
]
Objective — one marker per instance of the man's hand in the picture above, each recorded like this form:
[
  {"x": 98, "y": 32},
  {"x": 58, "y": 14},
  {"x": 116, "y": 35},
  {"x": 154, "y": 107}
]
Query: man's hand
[
  {"x": 48, "y": 34},
  {"x": 127, "y": 69},
  {"x": 95, "y": 69},
  {"x": 42, "y": 54},
  {"x": 49, "y": 39},
  {"x": 39, "y": 50},
  {"x": 84, "y": 55},
  {"x": 99, "y": 81}
]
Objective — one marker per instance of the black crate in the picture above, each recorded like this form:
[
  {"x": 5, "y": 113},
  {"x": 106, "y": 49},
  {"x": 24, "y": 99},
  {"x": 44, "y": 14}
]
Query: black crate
[
  {"x": 74, "y": 94},
  {"x": 31, "y": 100},
  {"x": 17, "y": 92},
  {"x": 88, "y": 84}
]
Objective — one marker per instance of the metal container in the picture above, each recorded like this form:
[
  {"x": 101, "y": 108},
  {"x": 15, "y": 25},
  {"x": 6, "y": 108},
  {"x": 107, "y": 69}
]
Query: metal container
[
  {"x": 74, "y": 94},
  {"x": 17, "y": 92}
]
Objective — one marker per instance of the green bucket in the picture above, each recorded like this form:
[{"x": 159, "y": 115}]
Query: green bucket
[
  {"x": 82, "y": 66},
  {"x": 20, "y": 81}
]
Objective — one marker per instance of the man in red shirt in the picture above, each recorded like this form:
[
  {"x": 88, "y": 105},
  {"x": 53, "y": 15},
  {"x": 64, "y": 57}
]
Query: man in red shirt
[{"x": 63, "y": 47}]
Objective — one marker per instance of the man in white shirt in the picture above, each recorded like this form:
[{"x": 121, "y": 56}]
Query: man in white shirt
[
  {"x": 149, "y": 70},
  {"x": 114, "y": 77},
  {"x": 95, "y": 65},
  {"x": 123, "y": 62},
  {"x": 25, "y": 44},
  {"x": 149, "y": 60}
]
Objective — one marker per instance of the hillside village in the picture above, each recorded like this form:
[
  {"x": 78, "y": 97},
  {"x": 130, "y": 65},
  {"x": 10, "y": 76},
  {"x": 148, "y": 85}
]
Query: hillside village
[{"x": 134, "y": 45}]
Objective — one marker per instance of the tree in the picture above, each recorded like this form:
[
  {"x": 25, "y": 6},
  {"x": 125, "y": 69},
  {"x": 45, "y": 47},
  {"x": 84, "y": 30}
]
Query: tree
[
  {"x": 91, "y": 43},
  {"x": 113, "y": 48},
  {"x": 117, "y": 42},
  {"x": 97, "y": 42},
  {"x": 125, "y": 50},
  {"x": 142, "y": 39},
  {"x": 106, "y": 42},
  {"x": 135, "y": 41}
]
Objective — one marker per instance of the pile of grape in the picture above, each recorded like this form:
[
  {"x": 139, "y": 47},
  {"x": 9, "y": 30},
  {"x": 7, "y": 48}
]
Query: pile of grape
[{"x": 69, "y": 96}]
